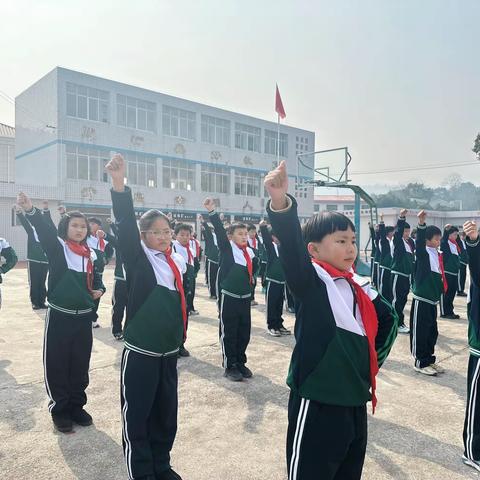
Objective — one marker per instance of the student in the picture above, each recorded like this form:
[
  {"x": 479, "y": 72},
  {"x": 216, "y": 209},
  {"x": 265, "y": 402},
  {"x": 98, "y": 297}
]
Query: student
[
  {"x": 120, "y": 289},
  {"x": 262, "y": 265},
  {"x": 212, "y": 258},
  {"x": 37, "y": 264},
  {"x": 429, "y": 283},
  {"x": 385, "y": 263},
  {"x": 275, "y": 278},
  {"x": 235, "y": 280},
  {"x": 451, "y": 263},
  {"x": 402, "y": 268},
  {"x": 154, "y": 331},
  {"x": 197, "y": 257},
  {"x": 344, "y": 331},
  {"x": 254, "y": 244},
  {"x": 374, "y": 255},
  {"x": 97, "y": 242},
  {"x": 73, "y": 286},
  {"x": 462, "y": 274},
  {"x": 8, "y": 253},
  {"x": 471, "y": 429}
]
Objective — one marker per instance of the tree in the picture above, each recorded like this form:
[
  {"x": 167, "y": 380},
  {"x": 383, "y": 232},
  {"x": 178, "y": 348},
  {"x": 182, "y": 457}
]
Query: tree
[{"x": 476, "y": 146}]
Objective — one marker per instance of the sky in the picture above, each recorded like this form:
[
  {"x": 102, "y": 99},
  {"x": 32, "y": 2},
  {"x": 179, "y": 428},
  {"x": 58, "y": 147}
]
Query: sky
[{"x": 397, "y": 81}]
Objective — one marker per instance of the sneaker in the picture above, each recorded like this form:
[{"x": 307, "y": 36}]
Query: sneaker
[
  {"x": 95, "y": 324},
  {"x": 193, "y": 312},
  {"x": 183, "y": 352},
  {"x": 233, "y": 374},
  {"x": 471, "y": 463},
  {"x": 290, "y": 310},
  {"x": 253, "y": 303},
  {"x": 274, "y": 332},
  {"x": 461, "y": 294},
  {"x": 437, "y": 368},
  {"x": 426, "y": 370},
  {"x": 118, "y": 336},
  {"x": 403, "y": 329},
  {"x": 62, "y": 422},
  {"x": 81, "y": 417},
  {"x": 168, "y": 475},
  {"x": 245, "y": 371},
  {"x": 284, "y": 331}
]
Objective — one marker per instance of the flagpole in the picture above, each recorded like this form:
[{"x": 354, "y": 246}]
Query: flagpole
[{"x": 278, "y": 139}]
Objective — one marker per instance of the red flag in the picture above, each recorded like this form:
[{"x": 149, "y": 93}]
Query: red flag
[{"x": 279, "y": 105}]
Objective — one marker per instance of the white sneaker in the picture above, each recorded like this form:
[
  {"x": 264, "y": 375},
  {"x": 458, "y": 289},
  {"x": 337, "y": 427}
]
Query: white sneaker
[
  {"x": 437, "y": 368},
  {"x": 403, "y": 329},
  {"x": 426, "y": 370},
  {"x": 274, "y": 333},
  {"x": 471, "y": 463},
  {"x": 95, "y": 324},
  {"x": 193, "y": 313}
]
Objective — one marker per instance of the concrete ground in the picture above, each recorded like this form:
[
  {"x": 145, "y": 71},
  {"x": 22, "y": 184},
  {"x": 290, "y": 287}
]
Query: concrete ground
[{"x": 227, "y": 431}]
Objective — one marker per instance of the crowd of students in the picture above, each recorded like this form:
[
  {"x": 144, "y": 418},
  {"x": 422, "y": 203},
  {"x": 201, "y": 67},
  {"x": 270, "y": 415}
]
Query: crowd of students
[{"x": 345, "y": 324}]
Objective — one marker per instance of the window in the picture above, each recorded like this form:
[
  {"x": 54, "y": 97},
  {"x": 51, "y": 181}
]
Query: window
[
  {"x": 135, "y": 113},
  {"x": 247, "y": 137},
  {"x": 316, "y": 207},
  {"x": 215, "y": 179},
  {"x": 332, "y": 208},
  {"x": 141, "y": 170},
  {"x": 271, "y": 141},
  {"x": 178, "y": 174},
  {"x": 215, "y": 130},
  {"x": 88, "y": 103},
  {"x": 86, "y": 164},
  {"x": 247, "y": 183},
  {"x": 178, "y": 123},
  {"x": 349, "y": 206}
]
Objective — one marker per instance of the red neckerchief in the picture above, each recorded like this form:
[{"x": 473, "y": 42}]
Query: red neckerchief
[
  {"x": 189, "y": 253},
  {"x": 369, "y": 318},
  {"x": 83, "y": 250},
  {"x": 248, "y": 260},
  {"x": 178, "y": 281},
  {"x": 442, "y": 271},
  {"x": 254, "y": 241},
  {"x": 101, "y": 244}
]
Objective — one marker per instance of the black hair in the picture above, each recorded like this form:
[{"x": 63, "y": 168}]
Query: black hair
[
  {"x": 325, "y": 223},
  {"x": 251, "y": 227},
  {"x": 182, "y": 226},
  {"x": 389, "y": 229},
  {"x": 407, "y": 225},
  {"x": 148, "y": 218},
  {"x": 452, "y": 229},
  {"x": 62, "y": 229},
  {"x": 235, "y": 226},
  {"x": 431, "y": 231},
  {"x": 95, "y": 220}
]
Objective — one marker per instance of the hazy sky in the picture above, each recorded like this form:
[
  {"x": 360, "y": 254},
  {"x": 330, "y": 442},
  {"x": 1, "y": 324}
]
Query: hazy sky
[{"x": 398, "y": 81}]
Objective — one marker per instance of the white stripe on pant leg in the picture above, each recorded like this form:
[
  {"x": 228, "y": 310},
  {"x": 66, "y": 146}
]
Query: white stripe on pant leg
[
  {"x": 471, "y": 412},
  {"x": 458, "y": 282},
  {"x": 414, "y": 327},
  {"x": 381, "y": 281},
  {"x": 222, "y": 334},
  {"x": 295, "y": 437},
  {"x": 442, "y": 311},
  {"x": 209, "y": 276},
  {"x": 49, "y": 392},
  {"x": 128, "y": 445},
  {"x": 394, "y": 288},
  {"x": 298, "y": 435},
  {"x": 267, "y": 301},
  {"x": 114, "y": 300}
]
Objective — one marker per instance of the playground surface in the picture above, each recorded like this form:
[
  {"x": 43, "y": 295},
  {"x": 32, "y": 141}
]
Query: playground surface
[{"x": 227, "y": 431}]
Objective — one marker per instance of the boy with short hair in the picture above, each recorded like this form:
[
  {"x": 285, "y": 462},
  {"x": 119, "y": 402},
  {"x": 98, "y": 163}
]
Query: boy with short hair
[
  {"x": 429, "y": 283},
  {"x": 451, "y": 263},
  {"x": 385, "y": 263},
  {"x": 235, "y": 280}
]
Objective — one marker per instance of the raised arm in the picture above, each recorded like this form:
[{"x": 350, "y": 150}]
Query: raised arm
[
  {"x": 398, "y": 235},
  {"x": 282, "y": 212},
  {"x": 47, "y": 233},
  {"x": 222, "y": 239},
  {"x": 267, "y": 240},
  {"x": 24, "y": 222},
  {"x": 128, "y": 234},
  {"x": 372, "y": 238},
  {"x": 473, "y": 248}
]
